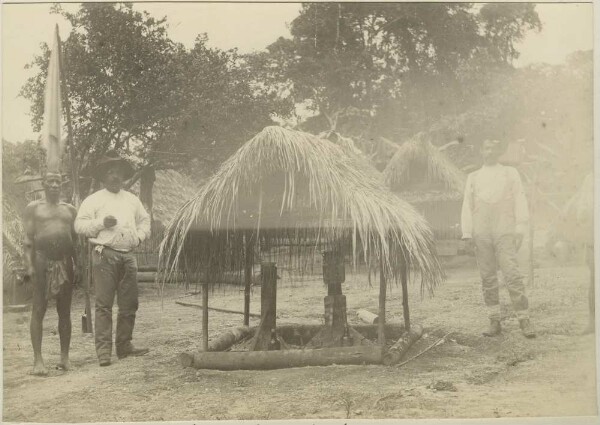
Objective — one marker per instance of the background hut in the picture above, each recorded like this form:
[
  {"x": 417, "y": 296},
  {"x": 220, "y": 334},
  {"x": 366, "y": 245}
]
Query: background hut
[
  {"x": 170, "y": 191},
  {"x": 422, "y": 175},
  {"x": 291, "y": 189}
]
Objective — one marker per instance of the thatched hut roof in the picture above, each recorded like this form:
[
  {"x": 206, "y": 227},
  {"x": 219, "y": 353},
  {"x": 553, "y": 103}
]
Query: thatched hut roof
[
  {"x": 295, "y": 189},
  {"x": 170, "y": 191},
  {"x": 439, "y": 178}
]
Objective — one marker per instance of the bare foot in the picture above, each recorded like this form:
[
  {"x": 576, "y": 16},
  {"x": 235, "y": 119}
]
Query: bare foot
[
  {"x": 39, "y": 369},
  {"x": 64, "y": 364}
]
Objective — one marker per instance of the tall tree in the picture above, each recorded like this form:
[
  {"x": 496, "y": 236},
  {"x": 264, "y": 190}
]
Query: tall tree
[
  {"x": 122, "y": 77},
  {"x": 134, "y": 90},
  {"x": 398, "y": 66}
]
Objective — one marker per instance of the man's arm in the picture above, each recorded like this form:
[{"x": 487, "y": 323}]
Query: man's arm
[
  {"x": 29, "y": 239},
  {"x": 142, "y": 220},
  {"x": 86, "y": 222},
  {"x": 466, "y": 216}
]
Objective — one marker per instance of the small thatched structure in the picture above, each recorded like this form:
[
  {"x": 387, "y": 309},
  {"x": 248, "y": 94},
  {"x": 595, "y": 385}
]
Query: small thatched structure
[
  {"x": 170, "y": 191},
  {"x": 421, "y": 174},
  {"x": 288, "y": 193}
]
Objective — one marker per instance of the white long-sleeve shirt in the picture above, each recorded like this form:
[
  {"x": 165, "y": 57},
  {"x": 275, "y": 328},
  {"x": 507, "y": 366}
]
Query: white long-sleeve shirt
[
  {"x": 490, "y": 184},
  {"x": 133, "y": 222}
]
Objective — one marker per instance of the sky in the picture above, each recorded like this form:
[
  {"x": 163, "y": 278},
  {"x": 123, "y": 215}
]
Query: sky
[{"x": 247, "y": 26}]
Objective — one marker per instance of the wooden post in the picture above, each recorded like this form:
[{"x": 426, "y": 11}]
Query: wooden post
[
  {"x": 205, "y": 317},
  {"x": 249, "y": 262},
  {"x": 404, "y": 282},
  {"x": 530, "y": 279},
  {"x": 268, "y": 306},
  {"x": 382, "y": 296},
  {"x": 88, "y": 304}
]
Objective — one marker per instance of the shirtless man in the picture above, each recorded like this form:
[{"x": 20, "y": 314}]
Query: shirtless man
[{"x": 51, "y": 264}]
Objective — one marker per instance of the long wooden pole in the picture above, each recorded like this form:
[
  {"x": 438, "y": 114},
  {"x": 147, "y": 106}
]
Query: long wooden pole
[
  {"x": 220, "y": 310},
  {"x": 531, "y": 281},
  {"x": 249, "y": 262},
  {"x": 205, "y": 317},
  {"x": 404, "y": 282},
  {"x": 76, "y": 197},
  {"x": 382, "y": 296}
]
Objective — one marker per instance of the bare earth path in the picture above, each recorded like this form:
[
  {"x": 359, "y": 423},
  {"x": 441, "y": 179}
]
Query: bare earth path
[{"x": 553, "y": 375}]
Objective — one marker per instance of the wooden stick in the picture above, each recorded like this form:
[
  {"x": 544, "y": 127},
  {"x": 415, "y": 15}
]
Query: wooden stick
[
  {"x": 76, "y": 200},
  {"x": 425, "y": 350},
  {"x": 222, "y": 310},
  {"x": 249, "y": 262},
  {"x": 382, "y": 296},
  {"x": 404, "y": 281},
  {"x": 205, "y": 317},
  {"x": 89, "y": 328}
]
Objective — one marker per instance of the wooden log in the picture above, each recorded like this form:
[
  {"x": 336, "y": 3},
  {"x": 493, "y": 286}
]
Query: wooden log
[
  {"x": 147, "y": 276},
  {"x": 301, "y": 334},
  {"x": 147, "y": 268},
  {"x": 265, "y": 360},
  {"x": 396, "y": 352},
  {"x": 222, "y": 310},
  {"x": 229, "y": 338},
  {"x": 268, "y": 307},
  {"x": 367, "y": 317}
]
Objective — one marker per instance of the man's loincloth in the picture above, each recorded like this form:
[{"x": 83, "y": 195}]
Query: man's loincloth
[{"x": 56, "y": 276}]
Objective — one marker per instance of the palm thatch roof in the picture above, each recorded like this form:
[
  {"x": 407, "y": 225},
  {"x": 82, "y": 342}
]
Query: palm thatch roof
[
  {"x": 170, "y": 191},
  {"x": 421, "y": 172},
  {"x": 290, "y": 188}
]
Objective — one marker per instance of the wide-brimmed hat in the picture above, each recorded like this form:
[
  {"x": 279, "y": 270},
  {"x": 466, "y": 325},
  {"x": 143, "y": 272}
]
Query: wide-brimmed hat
[{"x": 109, "y": 160}]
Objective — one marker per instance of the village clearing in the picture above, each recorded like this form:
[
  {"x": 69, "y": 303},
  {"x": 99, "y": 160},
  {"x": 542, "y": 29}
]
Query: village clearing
[{"x": 466, "y": 376}]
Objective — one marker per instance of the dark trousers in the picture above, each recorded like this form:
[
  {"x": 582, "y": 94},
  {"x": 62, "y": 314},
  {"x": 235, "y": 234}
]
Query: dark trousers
[
  {"x": 114, "y": 272},
  {"x": 495, "y": 252}
]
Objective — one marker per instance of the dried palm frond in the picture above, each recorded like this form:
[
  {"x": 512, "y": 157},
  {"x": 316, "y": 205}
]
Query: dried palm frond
[
  {"x": 286, "y": 188},
  {"x": 420, "y": 150}
]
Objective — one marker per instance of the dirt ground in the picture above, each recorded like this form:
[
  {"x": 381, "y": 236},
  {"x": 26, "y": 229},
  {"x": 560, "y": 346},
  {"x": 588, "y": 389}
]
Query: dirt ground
[{"x": 553, "y": 375}]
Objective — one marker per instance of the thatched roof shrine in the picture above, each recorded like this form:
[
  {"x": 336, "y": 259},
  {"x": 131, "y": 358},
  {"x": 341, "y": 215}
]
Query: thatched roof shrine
[
  {"x": 293, "y": 189},
  {"x": 420, "y": 172}
]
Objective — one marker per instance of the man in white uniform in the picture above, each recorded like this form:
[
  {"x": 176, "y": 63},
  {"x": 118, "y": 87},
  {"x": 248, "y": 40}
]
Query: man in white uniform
[
  {"x": 494, "y": 219},
  {"x": 115, "y": 222}
]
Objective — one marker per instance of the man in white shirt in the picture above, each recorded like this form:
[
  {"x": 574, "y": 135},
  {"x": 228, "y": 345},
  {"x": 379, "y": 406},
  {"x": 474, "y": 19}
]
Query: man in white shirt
[
  {"x": 115, "y": 222},
  {"x": 494, "y": 219}
]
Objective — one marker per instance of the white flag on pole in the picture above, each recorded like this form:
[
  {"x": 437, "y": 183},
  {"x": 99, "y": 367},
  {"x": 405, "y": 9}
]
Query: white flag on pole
[{"x": 51, "y": 139}]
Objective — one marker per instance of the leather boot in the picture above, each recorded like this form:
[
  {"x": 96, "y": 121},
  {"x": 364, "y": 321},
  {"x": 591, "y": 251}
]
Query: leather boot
[
  {"x": 495, "y": 328},
  {"x": 526, "y": 328},
  {"x": 132, "y": 351}
]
